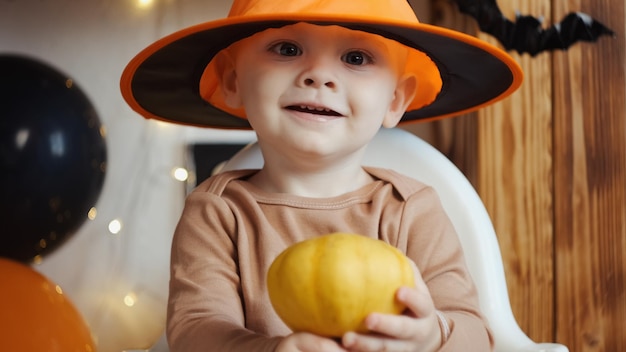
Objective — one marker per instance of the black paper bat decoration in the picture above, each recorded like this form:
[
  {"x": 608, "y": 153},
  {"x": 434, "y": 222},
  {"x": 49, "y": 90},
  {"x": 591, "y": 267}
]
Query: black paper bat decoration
[{"x": 526, "y": 35}]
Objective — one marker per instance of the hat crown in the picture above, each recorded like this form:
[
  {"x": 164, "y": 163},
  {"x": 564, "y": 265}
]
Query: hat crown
[{"x": 392, "y": 10}]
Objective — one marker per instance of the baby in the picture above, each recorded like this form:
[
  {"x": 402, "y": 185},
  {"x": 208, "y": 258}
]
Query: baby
[{"x": 315, "y": 80}]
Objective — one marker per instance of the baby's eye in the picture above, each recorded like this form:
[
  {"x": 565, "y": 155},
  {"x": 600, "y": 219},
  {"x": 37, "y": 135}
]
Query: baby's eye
[
  {"x": 357, "y": 57},
  {"x": 286, "y": 49}
]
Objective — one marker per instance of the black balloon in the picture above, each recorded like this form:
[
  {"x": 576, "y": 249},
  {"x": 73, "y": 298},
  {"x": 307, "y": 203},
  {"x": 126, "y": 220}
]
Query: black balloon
[{"x": 52, "y": 158}]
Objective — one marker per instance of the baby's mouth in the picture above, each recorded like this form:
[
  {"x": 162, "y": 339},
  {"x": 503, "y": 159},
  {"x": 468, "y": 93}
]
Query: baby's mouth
[{"x": 313, "y": 110}]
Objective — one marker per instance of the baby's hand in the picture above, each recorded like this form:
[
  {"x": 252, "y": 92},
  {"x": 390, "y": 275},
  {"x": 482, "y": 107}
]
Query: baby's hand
[
  {"x": 306, "y": 342},
  {"x": 417, "y": 330}
]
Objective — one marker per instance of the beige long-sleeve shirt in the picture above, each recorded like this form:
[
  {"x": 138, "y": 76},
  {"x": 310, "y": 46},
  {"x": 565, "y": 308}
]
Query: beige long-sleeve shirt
[{"x": 230, "y": 232}]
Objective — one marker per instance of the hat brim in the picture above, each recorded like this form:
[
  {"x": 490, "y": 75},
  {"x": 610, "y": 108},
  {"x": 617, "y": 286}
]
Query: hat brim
[{"x": 162, "y": 81}]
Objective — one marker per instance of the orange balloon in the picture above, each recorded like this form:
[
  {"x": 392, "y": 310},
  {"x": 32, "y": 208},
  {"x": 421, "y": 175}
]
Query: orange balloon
[{"x": 35, "y": 315}]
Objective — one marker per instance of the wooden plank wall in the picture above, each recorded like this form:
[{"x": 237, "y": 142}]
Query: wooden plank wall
[
  {"x": 515, "y": 182},
  {"x": 550, "y": 165},
  {"x": 590, "y": 184}
]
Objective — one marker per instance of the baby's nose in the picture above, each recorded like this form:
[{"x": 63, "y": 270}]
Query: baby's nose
[{"x": 312, "y": 82}]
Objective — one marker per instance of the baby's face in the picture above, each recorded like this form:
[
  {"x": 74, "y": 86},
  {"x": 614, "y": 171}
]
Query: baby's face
[{"x": 317, "y": 89}]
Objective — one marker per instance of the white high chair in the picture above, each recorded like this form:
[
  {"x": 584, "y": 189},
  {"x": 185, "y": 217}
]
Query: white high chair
[{"x": 408, "y": 154}]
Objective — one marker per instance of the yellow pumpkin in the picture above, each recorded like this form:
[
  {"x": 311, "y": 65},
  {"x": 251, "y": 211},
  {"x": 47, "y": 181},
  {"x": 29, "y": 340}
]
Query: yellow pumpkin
[{"x": 329, "y": 284}]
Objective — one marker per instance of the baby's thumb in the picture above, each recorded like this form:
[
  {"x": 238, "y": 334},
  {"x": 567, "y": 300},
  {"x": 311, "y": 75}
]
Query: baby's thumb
[
  {"x": 421, "y": 303},
  {"x": 420, "y": 285}
]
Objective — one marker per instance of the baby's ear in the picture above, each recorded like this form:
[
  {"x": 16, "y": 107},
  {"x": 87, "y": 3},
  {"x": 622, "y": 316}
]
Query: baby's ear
[
  {"x": 403, "y": 96},
  {"x": 225, "y": 67}
]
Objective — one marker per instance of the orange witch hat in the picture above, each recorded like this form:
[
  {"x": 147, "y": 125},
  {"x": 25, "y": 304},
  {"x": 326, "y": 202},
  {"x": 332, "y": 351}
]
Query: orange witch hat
[{"x": 457, "y": 73}]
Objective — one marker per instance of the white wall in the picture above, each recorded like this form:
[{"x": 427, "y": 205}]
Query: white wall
[{"x": 91, "y": 41}]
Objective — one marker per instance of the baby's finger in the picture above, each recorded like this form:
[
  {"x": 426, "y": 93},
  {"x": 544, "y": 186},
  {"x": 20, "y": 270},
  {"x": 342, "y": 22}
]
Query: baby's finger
[
  {"x": 418, "y": 302},
  {"x": 395, "y": 326},
  {"x": 306, "y": 342},
  {"x": 368, "y": 343}
]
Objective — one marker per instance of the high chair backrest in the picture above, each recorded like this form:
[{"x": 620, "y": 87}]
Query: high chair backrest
[{"x": 408, "y": 154}]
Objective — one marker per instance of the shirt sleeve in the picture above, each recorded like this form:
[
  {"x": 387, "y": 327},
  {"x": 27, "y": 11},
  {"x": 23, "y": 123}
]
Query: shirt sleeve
[
  {"x": 432, "y": 242},
  {"x": 205, "y": 312}
]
